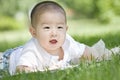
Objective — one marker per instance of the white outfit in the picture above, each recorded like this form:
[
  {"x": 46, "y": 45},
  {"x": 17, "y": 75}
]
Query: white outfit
[{"x": 35, "y": 57}]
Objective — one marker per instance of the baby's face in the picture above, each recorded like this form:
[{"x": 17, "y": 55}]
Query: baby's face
[{"x": 51, "y": 30}]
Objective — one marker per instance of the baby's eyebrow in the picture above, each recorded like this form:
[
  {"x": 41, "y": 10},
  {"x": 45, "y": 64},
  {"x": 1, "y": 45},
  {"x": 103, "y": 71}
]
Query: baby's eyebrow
[
  {"x": 44, "y": 24},
  {"x": 51, "y": 24},
  {"x": 61, "y": 23}
]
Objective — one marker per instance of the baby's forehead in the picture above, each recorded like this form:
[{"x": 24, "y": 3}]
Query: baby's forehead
[
  {"x": 50, "y": 11},
  {"x": 51, "y": 17}
]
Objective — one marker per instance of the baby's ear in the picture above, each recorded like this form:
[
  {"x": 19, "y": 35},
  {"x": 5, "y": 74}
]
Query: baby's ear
[
  {"x": 32, "y": 31},
  {"x": 66, "y": 28}
]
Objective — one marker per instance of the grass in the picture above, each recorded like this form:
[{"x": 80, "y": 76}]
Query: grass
[
  {"x": 88, "y": 32},
  {"x": 104, "y": 70},
  {"x": 88, "y": 27},
  {"x": 12, "y": 39}
]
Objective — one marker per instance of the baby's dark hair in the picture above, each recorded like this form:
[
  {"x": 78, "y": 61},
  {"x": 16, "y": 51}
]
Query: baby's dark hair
[{"x": 43, "y": 7}]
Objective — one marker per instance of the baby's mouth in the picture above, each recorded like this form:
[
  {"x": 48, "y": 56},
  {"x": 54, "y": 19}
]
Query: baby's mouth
[{"x": 53, "y": 41}]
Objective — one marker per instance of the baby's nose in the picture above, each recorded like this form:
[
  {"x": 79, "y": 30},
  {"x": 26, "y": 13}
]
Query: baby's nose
[{"x": 54, "y": 32}]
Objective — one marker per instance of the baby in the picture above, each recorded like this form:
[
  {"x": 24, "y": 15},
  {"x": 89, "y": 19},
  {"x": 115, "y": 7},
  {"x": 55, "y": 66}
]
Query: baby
[{"x": 51, "y": 47}]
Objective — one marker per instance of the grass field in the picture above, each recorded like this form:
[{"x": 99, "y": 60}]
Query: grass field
[
  {"x": 104, "y": 70},
  {"x": 85, "y": 31}
]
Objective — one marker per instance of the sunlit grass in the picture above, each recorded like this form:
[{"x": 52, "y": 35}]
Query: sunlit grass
[{"x": 92, "y": 27}]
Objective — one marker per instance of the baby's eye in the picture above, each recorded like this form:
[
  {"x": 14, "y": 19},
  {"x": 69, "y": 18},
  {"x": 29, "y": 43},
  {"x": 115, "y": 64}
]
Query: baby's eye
[
  {"x": 46, "y": 27},
  {"x": 60, "y": 27}
]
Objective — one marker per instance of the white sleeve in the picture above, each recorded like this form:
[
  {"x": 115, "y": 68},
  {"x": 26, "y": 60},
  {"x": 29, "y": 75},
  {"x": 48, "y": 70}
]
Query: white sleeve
[
  {"x": 27, "y": 58},
  {"x": 101, "y": 50},
  {"x": 75, "y": 48},
  {"x": 14, "y": 58}
]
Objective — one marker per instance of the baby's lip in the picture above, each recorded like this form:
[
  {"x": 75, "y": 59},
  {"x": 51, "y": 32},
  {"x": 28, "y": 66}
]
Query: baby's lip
[{"x": 53, "y": 41}]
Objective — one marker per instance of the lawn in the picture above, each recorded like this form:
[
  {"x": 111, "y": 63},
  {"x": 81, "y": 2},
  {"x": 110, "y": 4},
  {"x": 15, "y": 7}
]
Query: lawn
[
  {"x": 84, "y": 31},
  {"x": 104, "y": 70}
]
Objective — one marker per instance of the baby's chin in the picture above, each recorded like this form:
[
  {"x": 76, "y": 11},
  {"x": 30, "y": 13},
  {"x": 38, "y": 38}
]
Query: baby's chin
[{"x": 53, "y": 49}]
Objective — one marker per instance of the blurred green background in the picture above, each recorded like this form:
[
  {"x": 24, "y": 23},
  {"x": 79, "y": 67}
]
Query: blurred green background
[{"x": 85, "y": 18}]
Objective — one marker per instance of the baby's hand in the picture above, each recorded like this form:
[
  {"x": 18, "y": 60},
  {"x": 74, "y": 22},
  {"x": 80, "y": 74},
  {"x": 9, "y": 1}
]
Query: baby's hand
[{"x": 22, "y": 69}]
